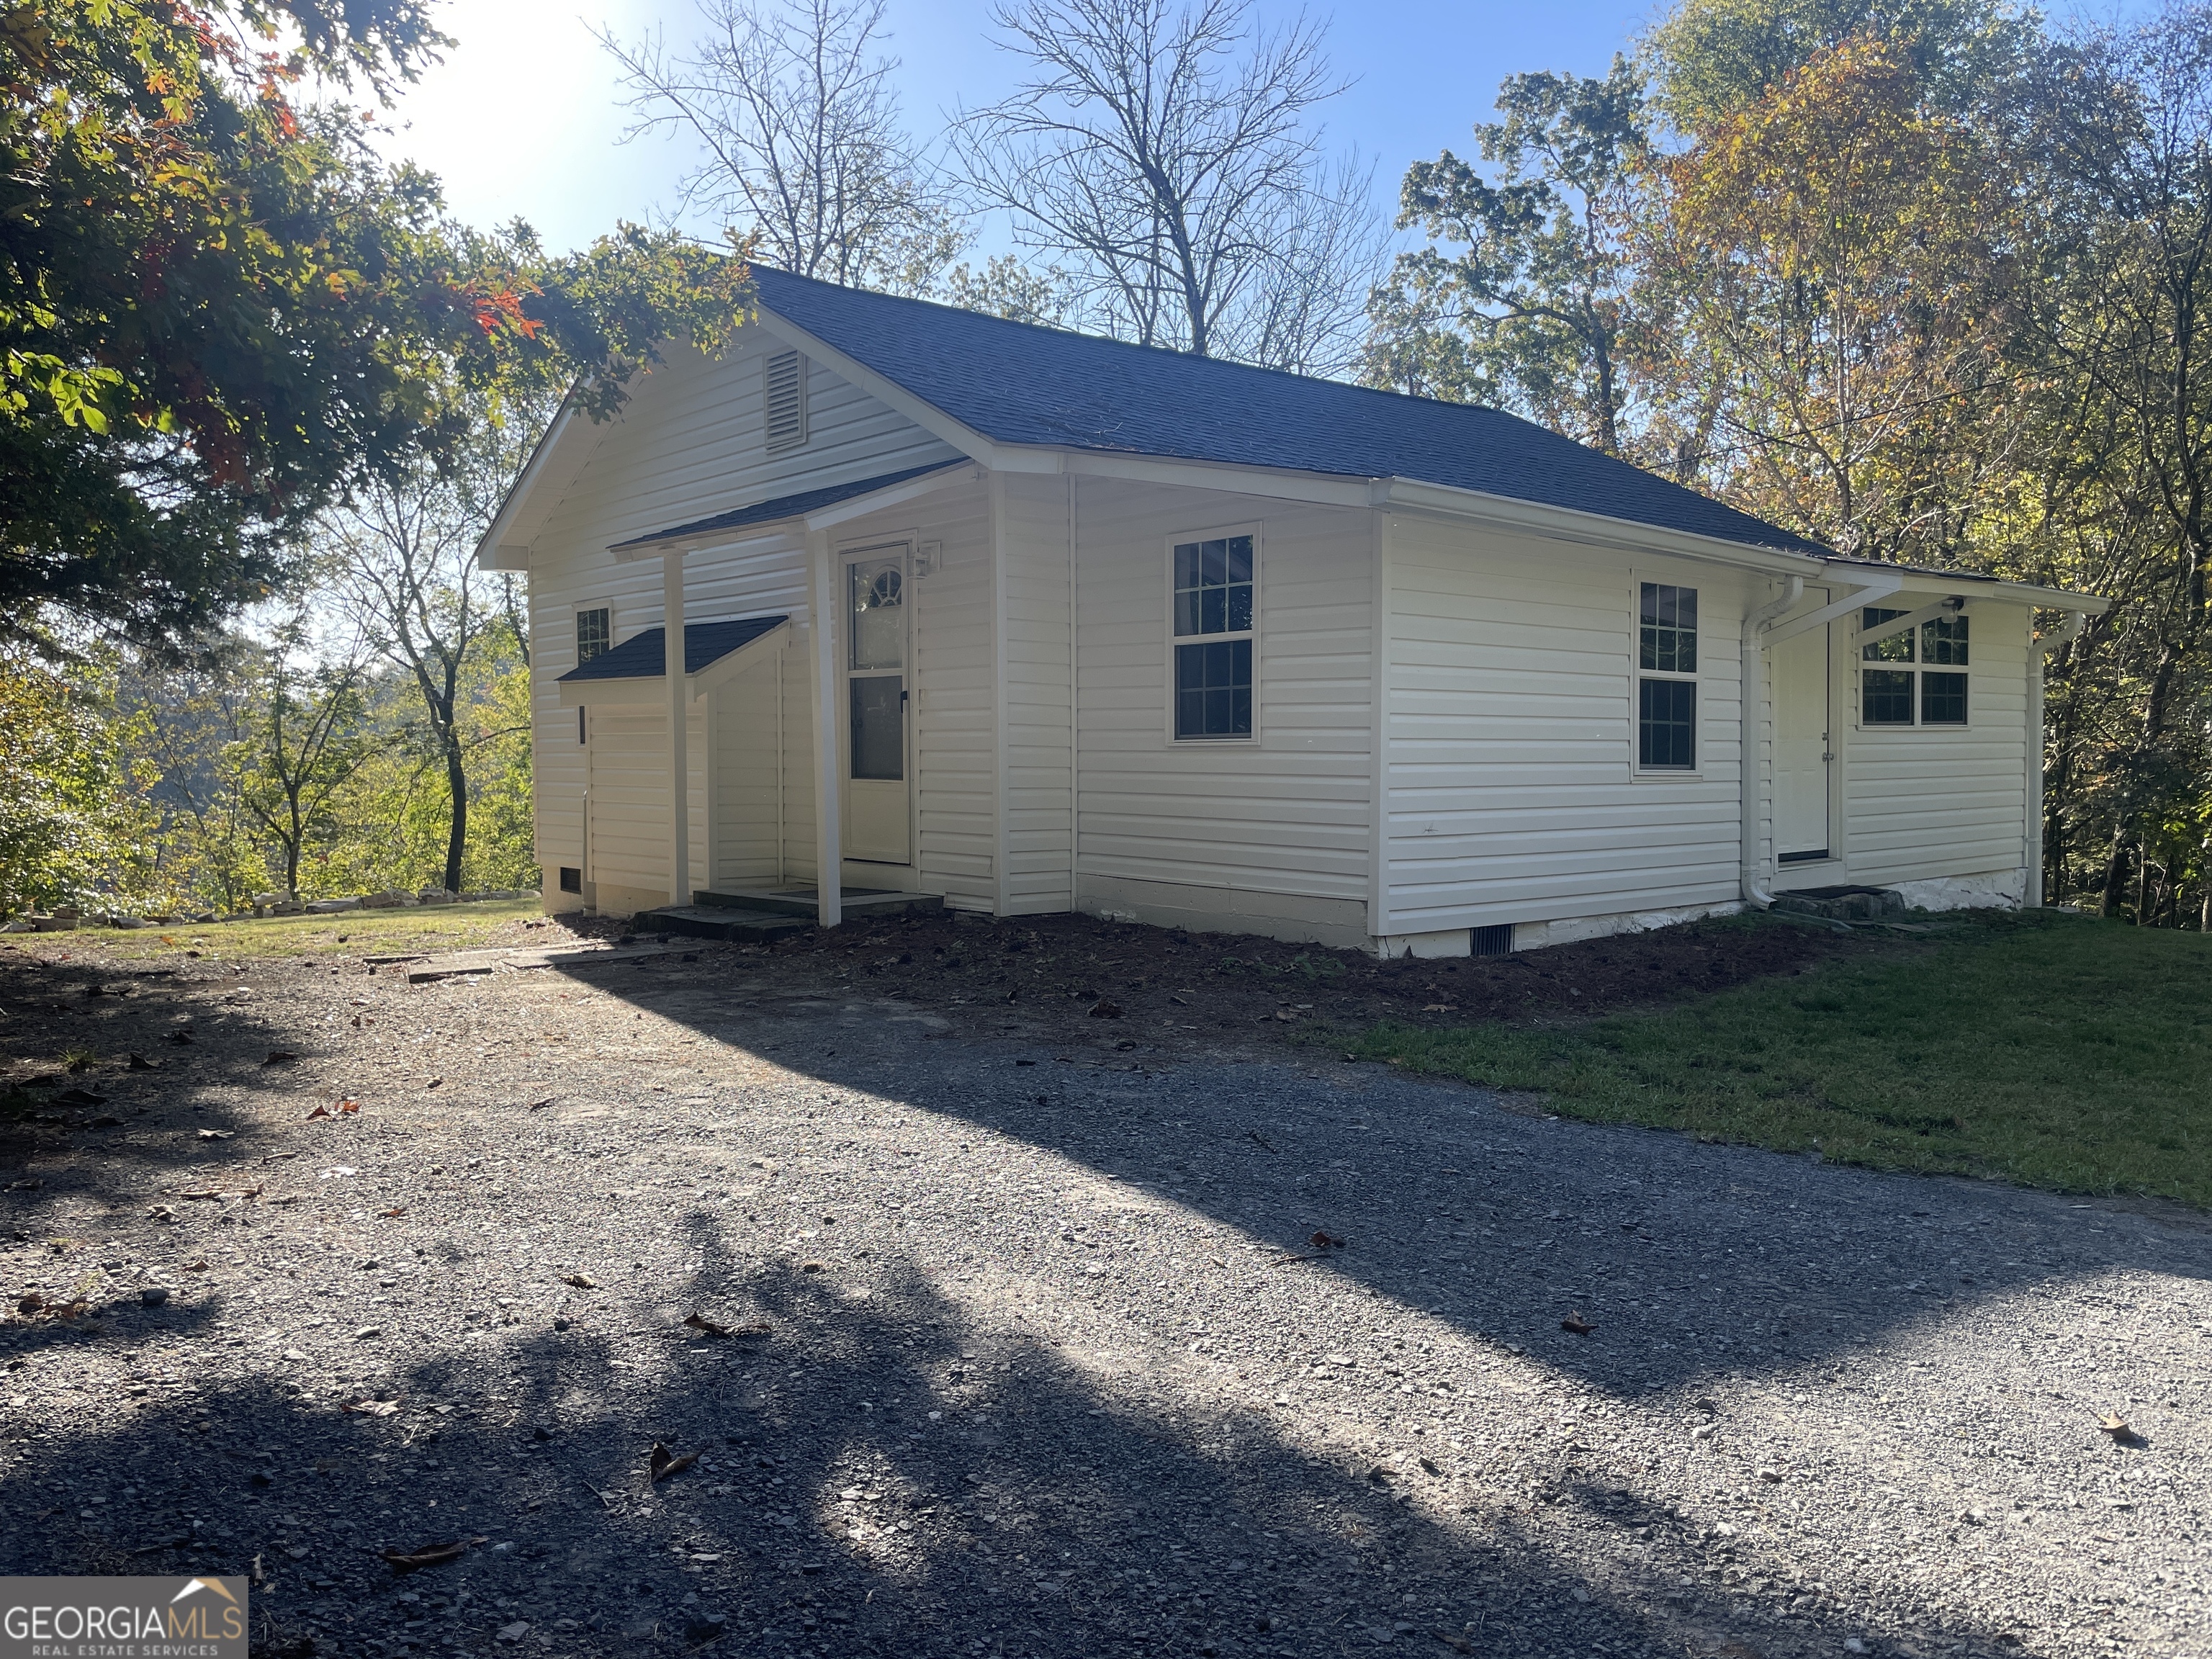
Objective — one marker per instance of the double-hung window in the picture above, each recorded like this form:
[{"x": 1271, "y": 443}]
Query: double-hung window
[
  {"x": 594, "y": 633},
  {"x": 1214, "y": 582},
  {"x": 1921, "y": 679},
  {"x": 1667, "y": 678}
]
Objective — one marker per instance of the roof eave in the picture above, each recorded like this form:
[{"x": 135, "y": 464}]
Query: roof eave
[{"x": 822, "y": 517}]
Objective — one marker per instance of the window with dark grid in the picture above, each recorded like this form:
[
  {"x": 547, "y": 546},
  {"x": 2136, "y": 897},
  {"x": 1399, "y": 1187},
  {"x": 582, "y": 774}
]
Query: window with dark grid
[
  {"x": 1667, "y": 708},
  {"x": 1942, "y": 699},
  {"x": 1213, "y": 600},
  {"x": 1669, "y": 628},
  {"x": 594, "y": 634},
  {"x": 1666, "y": 724},
  {"x": 1943, "y": 643},
  {"x": 1885, "y": 696},
  {"x": 1898, "y": 648},
  {"x": 1214, "y": 689}
]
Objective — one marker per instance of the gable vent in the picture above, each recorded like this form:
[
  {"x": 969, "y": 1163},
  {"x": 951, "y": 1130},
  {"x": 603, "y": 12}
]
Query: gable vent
[{"x": 787, "y": 401}]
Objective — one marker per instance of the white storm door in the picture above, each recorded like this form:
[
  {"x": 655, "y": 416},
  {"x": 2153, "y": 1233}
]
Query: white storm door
[
  {"x": 1801, "y": 753},
  {"x": 878, "y": 807}
]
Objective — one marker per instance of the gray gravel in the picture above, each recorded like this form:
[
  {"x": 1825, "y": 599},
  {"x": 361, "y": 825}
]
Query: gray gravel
[{"x": 1052, "y": 1365}]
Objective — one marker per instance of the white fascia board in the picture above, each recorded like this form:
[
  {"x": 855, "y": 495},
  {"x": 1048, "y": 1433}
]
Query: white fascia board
[
  {"x": 1318, "y": 489},
  {"x": 502, "y": 547},
  {"x": 924, "y": 414},
  {"x": 1594, "y": 529},
  {"x": 645, "y": 691}
]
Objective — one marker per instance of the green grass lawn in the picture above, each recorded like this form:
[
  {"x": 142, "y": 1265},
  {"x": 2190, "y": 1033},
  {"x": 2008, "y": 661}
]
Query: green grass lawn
[
  {"x": 365, "y": 932},
  {"x": 2055, "y": 1051}
]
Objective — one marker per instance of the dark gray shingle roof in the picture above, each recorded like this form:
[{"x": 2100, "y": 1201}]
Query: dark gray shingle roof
[
  {"x": 783, "y": 507},
  {"x": 1017, "y": 383},
  {"x": 643, "y": 656}
]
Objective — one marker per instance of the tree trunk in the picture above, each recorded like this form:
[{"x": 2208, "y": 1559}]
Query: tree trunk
[
  {"x": 2116, "y": 873},
  {"x": 457, "y": 837}
]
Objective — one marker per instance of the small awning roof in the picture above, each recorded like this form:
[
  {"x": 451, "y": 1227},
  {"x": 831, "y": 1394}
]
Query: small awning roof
[
  {"x": 782, "y": 508},
  {"x": 644, "y": 656}
]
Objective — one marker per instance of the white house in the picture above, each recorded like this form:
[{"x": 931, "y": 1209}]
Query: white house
[{"x": 1034, "y": 622}]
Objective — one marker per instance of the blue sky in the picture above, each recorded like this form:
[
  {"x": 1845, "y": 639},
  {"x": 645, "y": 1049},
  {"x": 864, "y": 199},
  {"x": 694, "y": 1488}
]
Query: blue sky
[{"x": 523, "y": 118}]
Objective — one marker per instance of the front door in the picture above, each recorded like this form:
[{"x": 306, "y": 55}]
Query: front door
[
  {"x": 877, "y": 808},
  {"x": 1801, "y": 747}
]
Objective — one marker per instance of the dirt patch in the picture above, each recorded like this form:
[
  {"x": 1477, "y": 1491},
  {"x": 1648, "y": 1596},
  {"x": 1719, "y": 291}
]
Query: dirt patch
[{"x": 1076, "y": 979}]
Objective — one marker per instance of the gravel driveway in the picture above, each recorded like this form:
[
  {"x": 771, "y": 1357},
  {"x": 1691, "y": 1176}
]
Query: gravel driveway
[{"x": 1046, "y": 1359}]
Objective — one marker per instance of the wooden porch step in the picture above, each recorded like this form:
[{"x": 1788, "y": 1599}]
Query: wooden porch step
[{"x": 801, "y": 901}]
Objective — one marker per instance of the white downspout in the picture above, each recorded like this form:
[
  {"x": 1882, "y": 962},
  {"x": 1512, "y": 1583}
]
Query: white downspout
[
  {"x": 1752, "y": 766},
  {"x": 2031, "y": 891}
]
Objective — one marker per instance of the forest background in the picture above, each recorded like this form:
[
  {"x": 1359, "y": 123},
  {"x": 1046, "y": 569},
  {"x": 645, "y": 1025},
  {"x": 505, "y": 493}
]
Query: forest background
[{"x": 1926, "y": 280}]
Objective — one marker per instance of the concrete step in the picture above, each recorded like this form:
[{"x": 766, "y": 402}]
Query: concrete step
[
  {"x": 801, "y": 901},
  {"x": 721, "y": 922}
]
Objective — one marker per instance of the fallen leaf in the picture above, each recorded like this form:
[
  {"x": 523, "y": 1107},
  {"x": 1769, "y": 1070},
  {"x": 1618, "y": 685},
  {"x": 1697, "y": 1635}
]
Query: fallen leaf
[
  {"x": 706, "y": 1326},
  {"x": 540, "y": 1105},
  {"x": 1429, "y": 1465},
  {"x": 78, "y": 1097},
  {"x": 585, "y": 1282},
  {"x": 201, "y": 1198},
  {"x": 140, "y": 1063},
  {"x": 1104, "y": 1009},
  {"x": 430, "y": 1555},
  {"x": 216, "y": 1134},
  {"x": 1575, "y": 1323},
  {"x": 181, "y": 1036},
  {"x": 393, "y": 1214},
  {"x": 319, "y": 1111},
  {"x": 280, "y": 1057},
  {"x": 662, "y": 1464},
  {"x": 344, "y": 1107},
  {"x": 372, "y": 1407},
  {"x": 1323, "y": 1240},
  {"x": 434, "y": 1083}
]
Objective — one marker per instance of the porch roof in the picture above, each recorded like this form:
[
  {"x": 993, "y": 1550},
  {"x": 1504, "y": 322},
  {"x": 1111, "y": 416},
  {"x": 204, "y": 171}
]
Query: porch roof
[
  {"x": 643, "y": 656},
  {"x": 782, "y": 509}
]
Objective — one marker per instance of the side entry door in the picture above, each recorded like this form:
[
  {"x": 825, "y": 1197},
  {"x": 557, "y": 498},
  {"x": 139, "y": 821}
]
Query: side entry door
[{"x": 879, "y": 806}]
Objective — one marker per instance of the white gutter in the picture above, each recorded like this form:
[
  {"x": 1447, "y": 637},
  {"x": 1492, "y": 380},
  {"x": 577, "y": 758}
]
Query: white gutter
[
  {"x": 2031, "y": 891},
  {"x": 1752, "y": 766}
]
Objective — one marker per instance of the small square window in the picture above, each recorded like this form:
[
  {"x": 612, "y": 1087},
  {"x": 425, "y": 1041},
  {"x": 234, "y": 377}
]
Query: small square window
[
  {"x": 1943, "y": 642},
  {"x": 1214, "y": 689},
  {"x": 1666, "y": 724},
  {"x": 594, "y": 633},
  {"x": 1942, "y": 699},
  {"x": 1669, "y": 628},
  {"x": 572, "y": 879},
  {"x": 1898, "y": 648},
  {"x": 1885, "y": 695}
]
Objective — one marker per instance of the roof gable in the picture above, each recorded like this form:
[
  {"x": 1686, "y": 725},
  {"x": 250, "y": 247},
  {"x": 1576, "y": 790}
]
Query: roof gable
[{"x": 1017, "y": 383}]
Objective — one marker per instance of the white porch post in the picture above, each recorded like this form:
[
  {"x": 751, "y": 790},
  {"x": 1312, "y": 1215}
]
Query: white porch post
[
  {"x": 829, "y": 839},
  {"x": 679, "y": 739}
]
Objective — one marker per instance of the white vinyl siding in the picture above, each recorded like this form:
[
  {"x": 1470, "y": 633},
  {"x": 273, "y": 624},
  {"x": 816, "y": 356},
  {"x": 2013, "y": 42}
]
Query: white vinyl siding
[
  {"x": 1285, "y": 814},
  {"x": 691, "y": 444},
  {"x": 1926, "y": 802},
  {"x": 1511, "y": 792},
  {"x": 1038, "y": 847}
]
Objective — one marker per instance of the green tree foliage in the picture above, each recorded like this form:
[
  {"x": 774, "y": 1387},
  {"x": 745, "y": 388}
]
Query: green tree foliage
[
  {"x": 219, "y": 312},
  {"x": 1532, "y": 312},
  {"x": 307, "y": 737},
  {"x": 75, "y": 825}
]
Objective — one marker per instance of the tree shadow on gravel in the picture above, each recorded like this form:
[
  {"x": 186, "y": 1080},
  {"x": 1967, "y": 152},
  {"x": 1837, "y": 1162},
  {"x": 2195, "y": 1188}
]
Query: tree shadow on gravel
[{"x": 832, "y": 1509}]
